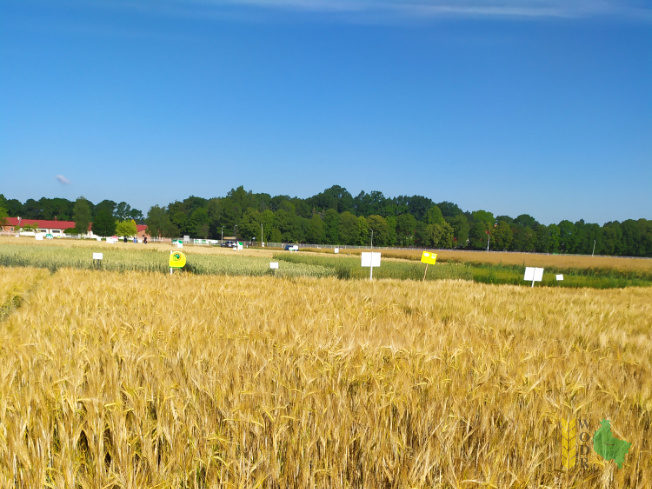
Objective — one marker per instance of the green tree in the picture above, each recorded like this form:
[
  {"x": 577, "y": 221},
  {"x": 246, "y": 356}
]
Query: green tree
[
  {"x": 378, "y": 225},
  {"x": 105, "y": 205},
  {"x": 613, "y": 238},
  {"x": 439, "y": 235},
  {"x": 122, "y": 211},
  {"x": 461, "y": 228},
  {"x": 348, "y": 231},
  {"x": 391, "y": 224},
  {"x": 316, "y": 232},
  {"x": 126, "y": 228},
  {"x": 524, "y": 238},
  {"x": 363, "y": 231},
  {"x": 331, "y": 226},
  {"x": 199, "y": 223},
  {"x": 501, "y": 238},
  {"x": 104, "y": 224},
  {"x": 159, "y": 224},
  {"x": 553, "y": 233},
  {"x": 406, "y": 226},
  {"x": 566, "y": 231},
  {"x": 275, "y": 235},
  {"x": 81, "y": 214},
  {"x": 434, "y": 216},
  {"x": 249, "y": 226},
  {"x": 3, "y": 216}
]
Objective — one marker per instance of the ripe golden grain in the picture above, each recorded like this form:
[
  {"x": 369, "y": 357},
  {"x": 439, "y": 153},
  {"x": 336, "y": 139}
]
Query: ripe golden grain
[{"x": 146, "y": 380}]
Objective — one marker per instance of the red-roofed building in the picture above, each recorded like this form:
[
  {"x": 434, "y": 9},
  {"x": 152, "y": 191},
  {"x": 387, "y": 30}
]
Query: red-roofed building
[
  {"x": 56, "y": 228},
  {"x": 142, "y": 231}
]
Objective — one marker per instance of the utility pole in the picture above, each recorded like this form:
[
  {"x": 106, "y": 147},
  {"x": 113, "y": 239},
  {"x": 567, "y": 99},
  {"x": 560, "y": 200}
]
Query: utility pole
[{"x": 222, "y": 234}]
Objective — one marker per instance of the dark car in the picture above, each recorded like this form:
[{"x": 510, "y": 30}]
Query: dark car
[
  {"x": 291, "y": 248},
  {"x": 229, "y": 244}
]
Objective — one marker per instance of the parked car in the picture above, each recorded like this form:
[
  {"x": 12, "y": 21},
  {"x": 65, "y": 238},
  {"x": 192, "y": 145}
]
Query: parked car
[
  {"x": 291, "y": 248},
  {"x": 229, "y": 244}
]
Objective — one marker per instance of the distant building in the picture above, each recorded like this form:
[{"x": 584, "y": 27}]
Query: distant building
[{"x": 57, "y": 228}]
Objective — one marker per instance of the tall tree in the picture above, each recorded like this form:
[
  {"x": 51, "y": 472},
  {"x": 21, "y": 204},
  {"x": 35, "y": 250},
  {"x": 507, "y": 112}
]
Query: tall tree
[
  {"x": 81, "y": 214},
  {"x": 501, "y": 237},
  {"x": 3, "y": 216},
  {"x": 331, "y": 226},
  {"x": 104, "y": 223},
  {"x": 348, "y": 231},
  {"x": 406, "y": 226},
  {"x": 316, "y": 233},
  {"x": 378, "y": 225},
  {"x": 159, "y": 224}
]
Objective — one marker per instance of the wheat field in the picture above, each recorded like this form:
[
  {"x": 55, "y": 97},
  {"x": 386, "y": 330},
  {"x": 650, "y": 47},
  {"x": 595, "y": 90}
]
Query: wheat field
[
  {"x": 582, "y": 262},
  {"x": 145, "y": 380}
]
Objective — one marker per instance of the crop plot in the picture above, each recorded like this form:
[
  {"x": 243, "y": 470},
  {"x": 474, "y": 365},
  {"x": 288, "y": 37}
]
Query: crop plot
[{"x": 149, "y": 380}]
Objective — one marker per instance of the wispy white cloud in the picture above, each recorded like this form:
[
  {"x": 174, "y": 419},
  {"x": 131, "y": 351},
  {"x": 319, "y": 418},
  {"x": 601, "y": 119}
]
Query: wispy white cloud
[
  {"x": 62, "y": 180},
  {"x": 441, "y": 8},
  {"x": 390, "y": 10}
]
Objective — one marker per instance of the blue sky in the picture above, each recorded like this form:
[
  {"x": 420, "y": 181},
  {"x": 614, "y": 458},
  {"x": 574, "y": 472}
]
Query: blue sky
[{"x": 541, "y": 107}]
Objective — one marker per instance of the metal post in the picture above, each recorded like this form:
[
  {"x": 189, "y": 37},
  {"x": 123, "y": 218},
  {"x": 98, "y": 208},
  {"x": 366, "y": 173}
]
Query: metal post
[
  {"x": 222, "y": 233},
  {"x": 593, "y": 248}
]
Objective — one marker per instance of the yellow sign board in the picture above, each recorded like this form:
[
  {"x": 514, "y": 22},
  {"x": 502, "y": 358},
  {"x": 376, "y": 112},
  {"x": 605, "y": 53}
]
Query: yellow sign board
[
  {"x": 177, "y": 259},
  {"x": 429, "y": 258}
]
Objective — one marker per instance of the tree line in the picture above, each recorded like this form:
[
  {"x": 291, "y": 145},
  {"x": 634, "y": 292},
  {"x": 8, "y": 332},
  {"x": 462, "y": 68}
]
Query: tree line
[
  {"x": 106, "y": 218},
  {"x": 334, "y": 216}
]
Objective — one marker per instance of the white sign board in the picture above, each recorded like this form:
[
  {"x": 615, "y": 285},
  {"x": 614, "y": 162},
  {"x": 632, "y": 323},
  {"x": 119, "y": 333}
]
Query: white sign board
[
  {"x": 179, "y": 244},
  {"x": 98, "y": 256},
  {"x": 370, "y": 259},
  {"x": 533, "y": 274},
  {"x": 39, "y": 237},
  {"x": 336, "y": 250},
  {"x": 273, "y": 264},
  {"x": 100, "y": 239},
  {"x": 560, "y": 277}
]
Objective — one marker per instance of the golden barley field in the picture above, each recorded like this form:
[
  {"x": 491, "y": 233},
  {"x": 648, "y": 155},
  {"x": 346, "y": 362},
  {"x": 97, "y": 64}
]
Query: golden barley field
[{"x": 145, "y": 380}]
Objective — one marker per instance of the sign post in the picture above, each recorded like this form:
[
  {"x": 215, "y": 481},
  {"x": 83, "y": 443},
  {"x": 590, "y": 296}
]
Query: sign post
[
  {"x": 177, "y": 260},
  {"x": 371, "y": 260},
  {"x": 428, "y": 258},
  {"x": 534, "y": 274},
  {"x": 97, "y": 259}
]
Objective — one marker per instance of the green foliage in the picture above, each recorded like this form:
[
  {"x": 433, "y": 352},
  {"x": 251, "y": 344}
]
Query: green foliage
[
  {"x": 126, "y": 228},
  {"x": 327, "y": 218},
  {"x": 501, "y": 238},
  {"x": 348, "y": 230},
  {"x": 104, "y": 224},
  {"x": 159, "y": 224},
  {"x": 3, "y": 216},
  {"x": 380, "y": 228},
  {"x": 81, "y": 214}
]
